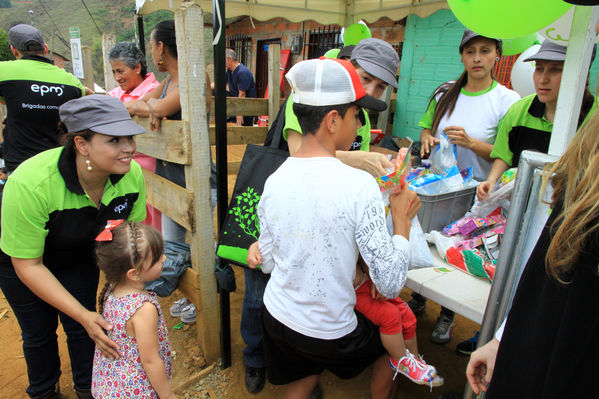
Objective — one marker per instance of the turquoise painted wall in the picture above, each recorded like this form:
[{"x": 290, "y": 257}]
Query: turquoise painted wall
[{"x": 429, "y": 57}]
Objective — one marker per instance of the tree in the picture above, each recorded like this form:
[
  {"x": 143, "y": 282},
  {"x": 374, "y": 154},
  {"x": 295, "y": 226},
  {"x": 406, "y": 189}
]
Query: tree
[{"x": 5, "y": 54}]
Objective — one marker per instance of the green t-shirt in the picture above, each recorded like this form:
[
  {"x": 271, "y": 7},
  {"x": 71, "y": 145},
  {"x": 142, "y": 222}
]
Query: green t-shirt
[
  {"x": 362, "y": 141},
  {"x": 45, "y": 211},
  {"x": 522, "y": 128}
]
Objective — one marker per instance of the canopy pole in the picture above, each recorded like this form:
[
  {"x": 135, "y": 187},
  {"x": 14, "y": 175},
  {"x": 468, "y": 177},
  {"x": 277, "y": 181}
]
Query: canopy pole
[
  {"x": 220, "y": 120},
  {"x": 141, "y": 34},
  {"x": 349, "y": 12},
  {"x": 574, "y": 78}
]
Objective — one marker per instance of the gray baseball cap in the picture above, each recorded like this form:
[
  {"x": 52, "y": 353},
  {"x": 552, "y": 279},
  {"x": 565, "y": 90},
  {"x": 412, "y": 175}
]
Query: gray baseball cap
[
  {"x": 378, "y": 58},
  {"x": 100, "y": 114},
  {"x": 549, "y": 51},
  {"x": 346, "y": 52},
  {"x": 469, "y": 35},
  {"x": 25, "y": 38}
]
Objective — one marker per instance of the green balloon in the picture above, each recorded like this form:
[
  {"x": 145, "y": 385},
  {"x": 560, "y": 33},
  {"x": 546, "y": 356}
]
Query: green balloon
[
  {"x": 519, "y": 44},
  {"x": 354, "y": 33},
  {"x": 332, "y": 53},
  {"x": 507, "y": 18}
]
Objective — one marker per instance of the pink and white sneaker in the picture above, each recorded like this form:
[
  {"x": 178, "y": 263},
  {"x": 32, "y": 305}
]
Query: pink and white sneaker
[{"x": 416, "y": 370}]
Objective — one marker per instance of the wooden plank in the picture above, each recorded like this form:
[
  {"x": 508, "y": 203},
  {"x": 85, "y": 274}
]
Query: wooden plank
[
  {"x": 233, "y": 168},
  {"x": 274, "y": 81},
  {"x": 170, "y": 143},
  {"x": 245, "y": 106},
  {"x": 190, "y": 287},
  {"x": 174, "y": 201},
  {"x": 192, "y": 85},
  {"x": 241, "y": 135}
]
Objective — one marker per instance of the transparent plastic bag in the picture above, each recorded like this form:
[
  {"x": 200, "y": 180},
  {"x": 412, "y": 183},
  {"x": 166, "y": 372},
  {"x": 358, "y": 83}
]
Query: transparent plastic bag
[
  {"x": 444, "y": 156},
  {"x": 420, "y": 253}
]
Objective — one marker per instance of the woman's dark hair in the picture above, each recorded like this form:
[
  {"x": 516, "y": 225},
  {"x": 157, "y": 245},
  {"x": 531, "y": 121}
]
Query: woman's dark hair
[
  {"x": 448, "y": 93},
  {"x": 310, "y": 117},
  {"x": 165, "y": 32},
  {"x": 68, "y": 138},
  {"x": 132, "y": 246},
  {"x": 129, "y": 54}
]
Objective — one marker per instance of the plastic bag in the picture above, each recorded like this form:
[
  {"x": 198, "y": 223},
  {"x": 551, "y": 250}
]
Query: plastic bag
[
  {"x": 420, "y": 253},
  {"x": 497, "y": 198},
  {"x": 441, "y": 242},
  {"x": 438, "y": 183},
  {"x": 444, "y": 155}
]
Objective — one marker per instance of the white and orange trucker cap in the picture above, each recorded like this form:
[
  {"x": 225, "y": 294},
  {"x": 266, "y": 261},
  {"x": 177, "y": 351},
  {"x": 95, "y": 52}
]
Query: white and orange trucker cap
[{"x": 328, "y": 81}]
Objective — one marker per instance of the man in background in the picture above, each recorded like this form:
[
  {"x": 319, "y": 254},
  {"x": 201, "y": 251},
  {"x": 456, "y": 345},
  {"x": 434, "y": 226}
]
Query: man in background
[
  {"x": 32, "y": 88},
  {"x": 241, "y": 83}
]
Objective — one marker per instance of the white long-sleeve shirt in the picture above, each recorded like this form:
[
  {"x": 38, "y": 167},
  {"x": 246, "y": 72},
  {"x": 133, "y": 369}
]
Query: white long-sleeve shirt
[{"x": 315, "y": 215}]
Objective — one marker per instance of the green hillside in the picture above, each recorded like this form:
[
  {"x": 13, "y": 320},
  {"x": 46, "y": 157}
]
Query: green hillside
[{"x": 54, "y": 17}]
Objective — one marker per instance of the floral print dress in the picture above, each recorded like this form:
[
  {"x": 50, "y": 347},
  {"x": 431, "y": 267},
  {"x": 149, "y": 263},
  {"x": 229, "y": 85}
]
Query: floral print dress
[{"x": 125, "y": 377}]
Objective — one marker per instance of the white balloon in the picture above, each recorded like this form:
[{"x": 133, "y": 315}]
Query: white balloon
[
  {"x": 522, "y": 72},
  {"x": 559, "y": 31}
]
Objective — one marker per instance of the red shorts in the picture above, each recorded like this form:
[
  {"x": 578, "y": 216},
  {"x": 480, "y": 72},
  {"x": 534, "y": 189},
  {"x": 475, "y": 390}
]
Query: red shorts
[{"x": 392, "y": 316}]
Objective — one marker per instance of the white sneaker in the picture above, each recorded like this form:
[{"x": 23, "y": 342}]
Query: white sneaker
[
  {"x": 188, "y": 313},
  {"x": 178, "y": 307}
]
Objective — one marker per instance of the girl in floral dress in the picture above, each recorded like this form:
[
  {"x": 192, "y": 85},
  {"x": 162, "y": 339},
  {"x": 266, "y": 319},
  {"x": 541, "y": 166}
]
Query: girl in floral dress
[{"x": 131, "y": 254}]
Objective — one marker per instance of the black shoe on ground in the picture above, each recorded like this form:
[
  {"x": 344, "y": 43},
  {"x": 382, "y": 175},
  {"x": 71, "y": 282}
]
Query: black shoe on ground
[
  {"x": 468, "y": 346},
  {"x": 254, "y": 379},
  {"x": 54, "y": 393},
  {"x": 417, "y": 306},
  {"x": 83, "y": 393}
]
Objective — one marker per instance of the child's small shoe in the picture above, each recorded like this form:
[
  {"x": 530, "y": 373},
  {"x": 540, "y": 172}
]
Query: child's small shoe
[
  {"x": 416, "y": 370},
  {"x": 188, "y": 314},
  {"x": 178, "y": 307}
]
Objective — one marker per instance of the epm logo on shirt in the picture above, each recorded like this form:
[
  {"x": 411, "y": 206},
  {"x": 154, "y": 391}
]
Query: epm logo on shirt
[{"x": 44, "y": 89}]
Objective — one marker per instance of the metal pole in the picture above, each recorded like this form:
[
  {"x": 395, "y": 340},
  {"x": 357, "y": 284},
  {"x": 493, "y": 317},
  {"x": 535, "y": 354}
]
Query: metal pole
[
  {"x": 508, "y": 270},
  {"x": 140, "y": 32},
  {"x": 220, "y": 120}
]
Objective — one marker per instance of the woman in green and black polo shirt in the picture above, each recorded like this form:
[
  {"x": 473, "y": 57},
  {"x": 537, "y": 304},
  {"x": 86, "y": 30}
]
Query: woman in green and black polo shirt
[
  {"x": 53, "y": 207},
  {"x": 528, "y": 123}
]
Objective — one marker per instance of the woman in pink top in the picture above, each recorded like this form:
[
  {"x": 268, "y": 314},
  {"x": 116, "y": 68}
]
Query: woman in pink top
[{"x": 130, "y": 72}]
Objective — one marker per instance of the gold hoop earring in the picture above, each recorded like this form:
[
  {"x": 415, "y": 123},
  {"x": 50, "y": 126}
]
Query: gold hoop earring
[{"x": 89, "y": 164}]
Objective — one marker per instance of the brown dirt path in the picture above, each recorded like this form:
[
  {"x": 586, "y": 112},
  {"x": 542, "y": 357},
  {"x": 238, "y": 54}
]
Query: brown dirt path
[{"x": 229, "y": 383}]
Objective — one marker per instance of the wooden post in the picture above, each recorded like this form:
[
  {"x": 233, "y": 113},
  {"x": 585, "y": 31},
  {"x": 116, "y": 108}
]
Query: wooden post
[
  {"x": 108, "y": 41},
  {"x": 192, "y": 86},
  {"x": 88, "y": 69},
  {"x": 274, "y": 81}
]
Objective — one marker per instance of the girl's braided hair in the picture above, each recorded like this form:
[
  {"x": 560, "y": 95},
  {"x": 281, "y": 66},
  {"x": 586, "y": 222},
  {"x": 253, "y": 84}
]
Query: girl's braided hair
[{"x": 133, "y": 245}]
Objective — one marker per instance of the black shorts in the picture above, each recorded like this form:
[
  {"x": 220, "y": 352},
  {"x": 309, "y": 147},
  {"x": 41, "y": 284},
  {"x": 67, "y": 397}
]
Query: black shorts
[{"x": 291, "y": 356}]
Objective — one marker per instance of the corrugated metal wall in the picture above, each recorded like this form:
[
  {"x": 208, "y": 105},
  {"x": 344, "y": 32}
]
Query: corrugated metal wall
[{"x": 430, "y": 57}]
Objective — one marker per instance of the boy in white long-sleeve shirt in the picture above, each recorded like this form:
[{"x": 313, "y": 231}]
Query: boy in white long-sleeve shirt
[{"x": 316, "y": 214}]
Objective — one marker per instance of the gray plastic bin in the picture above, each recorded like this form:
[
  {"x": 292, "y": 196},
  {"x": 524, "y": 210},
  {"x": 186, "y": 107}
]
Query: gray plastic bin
[{"x": 439, "y": 210}]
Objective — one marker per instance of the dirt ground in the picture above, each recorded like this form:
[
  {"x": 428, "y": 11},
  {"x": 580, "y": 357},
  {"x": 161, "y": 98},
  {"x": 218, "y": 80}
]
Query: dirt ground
[{"x": 229, "y": 383}]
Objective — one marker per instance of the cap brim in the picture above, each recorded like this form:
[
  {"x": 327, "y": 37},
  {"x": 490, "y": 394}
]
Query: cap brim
[
  {"x": 546, "y": 56},
  {"x": 377, "y": 71},
  {"x": 120, "y": 128},
  {"x": 372, "y": 103},
  {"x": 583, "y": 2}
]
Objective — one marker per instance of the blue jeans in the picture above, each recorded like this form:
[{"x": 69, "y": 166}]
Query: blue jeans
[
  {"x": 39, "y": 321},
  {"x": 251, "y": 318}
]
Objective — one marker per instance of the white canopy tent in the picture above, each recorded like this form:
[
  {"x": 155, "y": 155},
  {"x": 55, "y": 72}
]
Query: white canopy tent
[{"x": 340, "y": 12}]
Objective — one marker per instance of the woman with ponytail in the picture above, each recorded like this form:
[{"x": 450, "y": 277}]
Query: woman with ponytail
[{"x": 467, "y": 111}]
